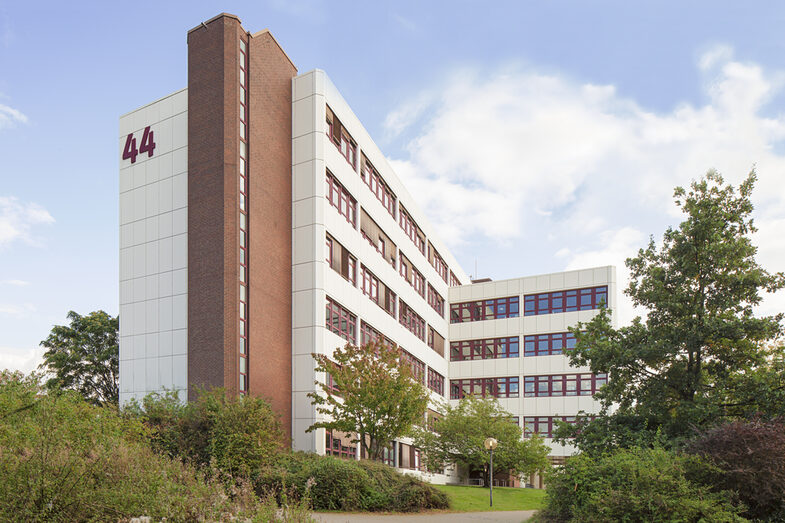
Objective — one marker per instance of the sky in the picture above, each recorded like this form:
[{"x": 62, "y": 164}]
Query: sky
[{"x": 538, "y": 136}]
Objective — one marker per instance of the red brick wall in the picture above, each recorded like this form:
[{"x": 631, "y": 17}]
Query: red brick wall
[
  {"x": 270, "y": 227},
  {"x": 213, "y": 152}
]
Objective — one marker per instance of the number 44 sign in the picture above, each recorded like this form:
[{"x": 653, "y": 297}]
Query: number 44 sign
[{"x": 147, "y": 146}]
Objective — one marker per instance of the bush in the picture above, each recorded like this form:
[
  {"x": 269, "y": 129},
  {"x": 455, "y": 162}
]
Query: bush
[
  {"x": 348, "y": 485},
  {"x": 240, "y": 435},
  {"x": 635, "y": 485},
  {"x": 62, "y": 459},
  {"x": 751, "y": 458}
]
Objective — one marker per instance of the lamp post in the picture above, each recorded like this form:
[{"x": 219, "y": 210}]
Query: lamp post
[{"x": 490, "y": 444}]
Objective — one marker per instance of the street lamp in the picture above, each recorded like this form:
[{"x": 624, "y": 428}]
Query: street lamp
[{"x": 490, "y": 444}]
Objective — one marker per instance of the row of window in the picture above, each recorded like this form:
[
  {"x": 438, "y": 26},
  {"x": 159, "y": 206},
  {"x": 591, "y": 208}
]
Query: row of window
[
  {"x": 340, "y": 198},
  {"x": 416, "y": 365},
  {"x": 378, "y": 187},
  {"x": 494, "y": 348},
  {"x": 435, "y": 300},
  {"x": 339, "y": 448},
  {"x": 438, "y": 263},
  {"x": 340, "y": 321},
  {"x": 506, "y": 387},
  {"x": 243, "y": 219},
  {"x": 565, "y": 301},
  {"x": 544, "y": 426},
  {"x": 534, "y": 304},
  {"x": 563, "y": 385},
  {"x": 485, "y": 349},
  {"x": 341, "y": 138},
  {"x": 412, "y": 321},
  {"x": 492, "y": 309}
]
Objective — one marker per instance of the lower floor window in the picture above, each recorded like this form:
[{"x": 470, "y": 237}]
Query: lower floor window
[{"x": 339, "y": 448}]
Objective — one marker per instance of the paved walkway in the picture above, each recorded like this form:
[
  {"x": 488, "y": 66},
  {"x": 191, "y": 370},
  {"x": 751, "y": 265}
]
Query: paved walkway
[{"x": 514, "y": 516}]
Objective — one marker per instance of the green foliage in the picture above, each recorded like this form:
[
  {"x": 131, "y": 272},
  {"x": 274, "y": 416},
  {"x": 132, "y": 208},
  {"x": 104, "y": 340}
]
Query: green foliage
[
  {"x": 349, "y": 485},
  {"x": 239, "y": 435},
  {"x": 62, "y": 459},
  {"x": 750, "y": 460},
  {"x": 695, "y": 357},
  {"x": 84, "y": 356},
  {"x": 379, "y": 400},
  {"x": 650, "y": 484},
  {"x": 461, "y": 432}
]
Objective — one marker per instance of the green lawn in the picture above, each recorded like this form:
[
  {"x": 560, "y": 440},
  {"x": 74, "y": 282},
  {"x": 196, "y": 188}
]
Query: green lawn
[{"x": 475, "y": 499}]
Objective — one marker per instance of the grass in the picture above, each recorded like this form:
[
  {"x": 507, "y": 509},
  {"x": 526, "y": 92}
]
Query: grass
[{"x": 475, "y": 499}]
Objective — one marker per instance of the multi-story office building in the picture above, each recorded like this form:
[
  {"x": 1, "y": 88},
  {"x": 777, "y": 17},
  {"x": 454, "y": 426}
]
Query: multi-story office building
[{"x": 260, "y": 223}]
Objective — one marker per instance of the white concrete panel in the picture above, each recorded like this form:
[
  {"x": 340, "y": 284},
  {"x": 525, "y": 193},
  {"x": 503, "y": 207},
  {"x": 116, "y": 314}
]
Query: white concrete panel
[
  {"x": 180, "y": 130},
  {"x": 126, "y": 292},
  {"x": 180, "y": 281},
  {"x": 180, "y": 221},
  {"x": 179, "y": 191},
  {"x": 138, "y": 289},
  {"x": 165, "y": 195},
  {"x": 139, "y": 317},
  {"x": 138, "y": 175},
  {"x": 180, "y": 341},
  {"x": 165, "y": 374},
  {"x": 179, "y": 311},
  {"x": 165, "y": 314},
  {"x": 151, "y": 373},
  {"x": 179, "y": 160},
  {"x": 138, "y": 233},
  {"x": 126, "y": 236},
  {"x": 165, "y": 224},
  {"x": 151, "y": 257},
  {"x": 126, "y": 376},
  {"x": 165, "y": 343},
  {"x": 151, "y": 345},
  {"x": 180, "y": 371},
  {"x": 151, "y": 287},
  {"x": 151, "y": 316},
  {"x": 152, "y": 167},
  {"x": 179, "y": 251},
  {"x": 165, "y": 284},
  {"x": 139, "y": 374},
  {"x": 165, "y": 254}
]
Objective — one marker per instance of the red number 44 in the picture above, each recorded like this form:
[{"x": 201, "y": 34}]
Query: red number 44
[{"x": 148, "y": 145}]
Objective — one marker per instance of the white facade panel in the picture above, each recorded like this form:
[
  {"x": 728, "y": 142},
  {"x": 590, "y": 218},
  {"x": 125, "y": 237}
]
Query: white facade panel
[{"x": 153, "y": 208}]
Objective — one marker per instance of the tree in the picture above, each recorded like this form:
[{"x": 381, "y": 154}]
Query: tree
[
  {"x": 686, "y": 364},
  {"x": 459, "y": 435},
  {"x": 373, "y": 395},
  {"x": 84, "y": 356}
]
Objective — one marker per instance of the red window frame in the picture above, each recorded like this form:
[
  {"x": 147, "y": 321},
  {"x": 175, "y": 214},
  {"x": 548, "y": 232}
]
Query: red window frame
[
  {"x": 548, "y": 344},
  {"x": 411, "y": 229},
  {"x": 438, "y": 263},
  {"x": 415, "y": 364},
  {"x": 435, "y": 381},
  {"x": 554, "y": 385},
  {"x": 378, "y": 187},
  {"x": 369, "y": 284},
  {"x": 340, "y": 198},
  {"x": 492, "y": 309},
  {"x": 418, "y": 282},
  {"x": 335, "y": 447},
  {"x": 242, "y": 385},
  {"x": 347, "y": 147},
  {"x": 545, "y": 425},
  {"x": 411, "y": 320},
  {"x": 502, "y": 387},
  {"x": 485, "y": 349},
  {"x": 340, "y": 321},
  {"x": 454, "y": 281},
  {"x": 583, "y": 299},
  {"x": 435, "y": 300}
]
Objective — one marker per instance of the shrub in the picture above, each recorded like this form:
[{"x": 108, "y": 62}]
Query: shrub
[
  {"x": 751, "y": 458},
  {"x": 62, "y": 459},
  {"x": 349, "y": 485},
  {"x": 635, "y": 485},
  {"x": 240, "y": 435}
]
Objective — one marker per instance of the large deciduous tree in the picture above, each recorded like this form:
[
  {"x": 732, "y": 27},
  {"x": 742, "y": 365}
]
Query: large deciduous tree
[
  {"x": 84, "y": 356},
  {"x": 690, "y": 361},
  {"x": 372, "y": 395},
  {"x": 459, "y": 436}
]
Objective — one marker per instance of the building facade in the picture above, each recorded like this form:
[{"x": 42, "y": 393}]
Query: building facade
[{"x": 260, "y": 223}]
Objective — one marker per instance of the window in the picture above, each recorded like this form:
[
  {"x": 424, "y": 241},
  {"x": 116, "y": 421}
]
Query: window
[
  {"x": 370, "y": 335},
  {"x": 494, "y": 309},
  {"x": 436, "y": 341},
  {"x": 338, "y": 448},
  {"x": 377, "y": 185},
  {"x": 454, "y": 282},
  {"x": 563, "y": 385},
  {"x": 418, "y": 282},
  {"x": 437, "y": 262},
  {"x": 388, "y": 454},
  {"x": 415, "y": 364},
  {"x": 340, "y": 321},
  {"x": 243, "y": 223},
  {"x": 411, "y": 229},
  {"x": 340, "y": 259},
  {"x": 378, "y": 292},
  {"x": 341, "y": 138},
  {"x": 332, "y": 388},
  {"x": 485, "y": 349},
  {"x": 370, "y": 284},
  {"x": 545, "y": 425},
  {"x": 548, "y": 344},
  {"x": 340, "y": 198},
  {"x": 435, "y": 300},
  {"x": 412, "y": 321},
  {"x": 435, "y": 381},
  {"x": 485, "y": 387},
  {"x": 566, "y": 301}
]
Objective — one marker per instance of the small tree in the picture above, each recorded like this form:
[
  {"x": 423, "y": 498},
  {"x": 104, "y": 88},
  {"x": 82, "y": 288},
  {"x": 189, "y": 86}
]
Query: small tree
[
  {"x": 684, "y": 364},
  {"x": 460, "y": 433},
  {"x": 377, "y": 398},
  {"x": 84, "y": 356}
]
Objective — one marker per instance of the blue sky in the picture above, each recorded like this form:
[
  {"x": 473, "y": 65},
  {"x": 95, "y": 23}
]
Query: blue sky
[{"x": 540, "y": 136}]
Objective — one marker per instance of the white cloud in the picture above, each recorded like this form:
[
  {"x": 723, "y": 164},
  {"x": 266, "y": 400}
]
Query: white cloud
[
  {"x": 22, "y": 359},
  {"x": 10, "y": 116},
  {"x": 15, "y": 283},
  {"x": 24, "y": 310},
  {"x": 578, "y": 168},
  {"x": 18, "y": 218}
]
